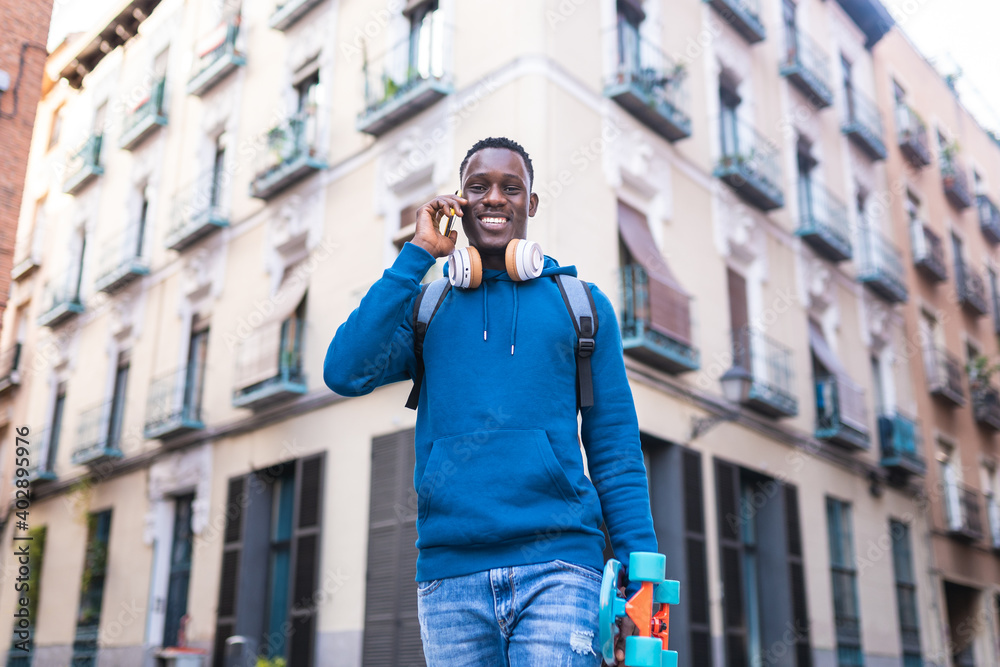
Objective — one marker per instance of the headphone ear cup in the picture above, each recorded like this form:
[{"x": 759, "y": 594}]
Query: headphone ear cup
[
  {"x": 465, "y": 268},
  {"x": 475, "y": 267},
  {"x": 524, "y": 259}
]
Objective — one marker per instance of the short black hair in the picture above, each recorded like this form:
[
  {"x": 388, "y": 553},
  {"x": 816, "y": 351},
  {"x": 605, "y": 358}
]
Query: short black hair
[{"x": 499, "y": 142}]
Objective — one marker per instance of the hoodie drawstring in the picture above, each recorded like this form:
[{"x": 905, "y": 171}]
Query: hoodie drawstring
[
  {"x": 486, "y": 301},
  {"x": 513, "y": 323}
]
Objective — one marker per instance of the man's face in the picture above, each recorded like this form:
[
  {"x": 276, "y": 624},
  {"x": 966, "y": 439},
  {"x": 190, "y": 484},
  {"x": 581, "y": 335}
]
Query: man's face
[{"x": 496, "y": 184}]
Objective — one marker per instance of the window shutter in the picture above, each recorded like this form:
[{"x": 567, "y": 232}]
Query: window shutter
[
  {"x": 730, "y": 551},
  {"x": 696, "y": 586},
  {"x": 739, "y": 318},
  {"x": 307, "y": 529},
  {"x": 392, "y": 632},
  {"x": 232, "y": 546},
  {"x": 796, "y": 572}
]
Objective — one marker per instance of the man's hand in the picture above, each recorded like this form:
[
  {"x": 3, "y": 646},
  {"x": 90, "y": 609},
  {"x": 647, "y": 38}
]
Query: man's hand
[
  {"x": 628, "y": 629},
  {"x": 428, "y": 234}
]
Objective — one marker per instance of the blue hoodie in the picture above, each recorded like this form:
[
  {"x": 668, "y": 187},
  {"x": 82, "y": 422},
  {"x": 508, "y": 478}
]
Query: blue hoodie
[{"x": 499, "y": 474}]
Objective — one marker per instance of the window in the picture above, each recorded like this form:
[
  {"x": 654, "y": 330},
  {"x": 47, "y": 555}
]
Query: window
[
  {"x": 100, "y": 116},
  {"x": 272, "y": 537},
  {"x": 912, "y": 204},
  {"x": 56, "y": 128},
  {"x": 845, "y": 586},
  {"x": 806, "y": 163},
  {"x": 180, "y": 569},
  {"x": 194, "y": 382},
  {"x": 307, "y": 93},
  {"x": 959, "y": 249},
  {"x": 80, "y": 255},
  {"x": 879, "y": 386},
  {"x": 990, "y": 488},
  {"x": 977, "y": 182},
  {"x": 991, "y": 275},
  {"x": 630, "y": 18},
  {"x": 143, "y": 218},
  {"x": 906, "y": 593},
  {"x": 407, "y": 225},
  {"x": 739, "y": 319},
  {"x": 951, "y": 483},
  {"x": 791, "y": 33},
  {"x": 426, "y": 55},
  {"x": 729, "y": 101},
  {"x": 95, "y": 565},
  {"x": 845, "y": 68},
  {"x": 56, "y": 428},
  {"x": 218, "y": 170},
  {"x": 118, "y": 401},
  {"x": 160, "y": 63}
]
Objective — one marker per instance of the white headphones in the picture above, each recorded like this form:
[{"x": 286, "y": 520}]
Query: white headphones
[{"x": 523, "y": 259}]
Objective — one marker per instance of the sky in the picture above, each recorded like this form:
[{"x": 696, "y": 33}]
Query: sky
[{"x": 956, "y": 35}]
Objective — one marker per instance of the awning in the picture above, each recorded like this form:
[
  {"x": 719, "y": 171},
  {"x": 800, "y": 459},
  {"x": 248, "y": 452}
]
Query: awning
[
  {"x": 669, "y": 303},
  {"x": 817, "y": 341},
  {"x": 259, "y": 356},
  {"x": 851, "y": 397}
]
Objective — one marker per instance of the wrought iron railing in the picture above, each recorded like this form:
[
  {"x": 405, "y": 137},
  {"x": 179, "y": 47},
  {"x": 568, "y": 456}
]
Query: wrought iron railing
[
  {"x": 294, "y": 138},
  {"x": 840, "y": 402},
  {"x": 151, "y": 107},
  {"x": 747, "y": 148}
]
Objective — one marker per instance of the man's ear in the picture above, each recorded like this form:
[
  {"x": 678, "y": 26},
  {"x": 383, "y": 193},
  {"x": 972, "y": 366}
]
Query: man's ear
[{"x": 532, "y": 205}]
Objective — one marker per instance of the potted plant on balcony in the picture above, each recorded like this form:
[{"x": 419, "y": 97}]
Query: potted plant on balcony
[{"x": 948, "y": 153}]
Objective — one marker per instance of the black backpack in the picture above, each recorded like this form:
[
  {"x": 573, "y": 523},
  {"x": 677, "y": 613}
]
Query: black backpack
[{"x": 579, "y": 302}]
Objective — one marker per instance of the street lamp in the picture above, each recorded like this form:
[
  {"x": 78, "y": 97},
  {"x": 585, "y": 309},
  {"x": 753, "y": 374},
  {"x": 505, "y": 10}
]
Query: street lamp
[{"x": 736, "y": 389}]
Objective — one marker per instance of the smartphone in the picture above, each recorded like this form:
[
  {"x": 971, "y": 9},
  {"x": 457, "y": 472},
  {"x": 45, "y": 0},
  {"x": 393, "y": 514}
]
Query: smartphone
[{"x": 454, "y": 216}]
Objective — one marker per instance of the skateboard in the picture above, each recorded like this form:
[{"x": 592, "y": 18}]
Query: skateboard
[{"x": 649, "y": 647}]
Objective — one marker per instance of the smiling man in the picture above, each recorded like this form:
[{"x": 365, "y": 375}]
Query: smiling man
[{"x": 509, "y": 523}]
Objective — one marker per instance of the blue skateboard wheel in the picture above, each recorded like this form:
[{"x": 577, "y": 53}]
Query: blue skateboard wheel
[
  {"x": 668, "y": 659},
  {"x": 667, "y": 592},
  {"x": 646, "y": 566},
  {"x": 643, "y": 652}
]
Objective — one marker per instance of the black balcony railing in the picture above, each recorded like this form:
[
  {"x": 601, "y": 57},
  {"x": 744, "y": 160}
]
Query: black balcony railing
[
  {"x": 292, "y": 152},
  {"x": 10, "y": 367},
  {"x": 269, "y": 365},
  {"x": 863, "y": 124},
  {"x": 769, "y": 365},
  {"x": 962, "y": 512},
  {"x": 901, "y": 448},
  {"x": 912, "y": 134},
  {"x": 841, "y": 412},
  {"x": 944, "y": 376},
  {"x": 661, "y": 337},
  {"x": 648, "y": 83},
  {"x": 98, "y": 435},
  {"x": 807, "y": 66},
  {"x": 217, "y": 56},
  {"x": 200, "y": 208},
  {"x": 971, "y": 289},
  {"x": 84, "y": 165},
  {"x": 955, "y": 181},
  {"x": 146, "y": 117},
  {"x": 928, "y": 252},
  {"x": 743, "y": 16},
  {"x": 881, "y": 265},
  {"x": 823, "y": 223},
  {"x": 408, "y": 78},
  {"x": 989, "y": 218},
  {"x": 985, "y": 403},
  {"x": 749, "y": 164},
  {"x": 174, "y": 403}
]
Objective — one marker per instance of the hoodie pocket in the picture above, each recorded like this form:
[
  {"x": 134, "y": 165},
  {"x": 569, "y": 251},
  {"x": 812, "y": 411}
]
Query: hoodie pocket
[{"x": 492, "y": 486}]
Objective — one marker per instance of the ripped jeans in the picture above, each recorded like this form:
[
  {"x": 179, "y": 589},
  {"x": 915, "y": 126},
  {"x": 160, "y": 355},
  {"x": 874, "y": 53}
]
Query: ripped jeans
[{"x": 540, "y": 615}]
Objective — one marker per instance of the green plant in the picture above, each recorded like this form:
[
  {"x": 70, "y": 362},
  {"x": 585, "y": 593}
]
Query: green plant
[
  {"x": 980, "y": 370},
  {"x": 277, "y": 661}
]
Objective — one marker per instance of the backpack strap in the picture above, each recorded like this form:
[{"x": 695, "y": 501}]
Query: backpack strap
[
  {"x": 580, "y": 304},
  {"x": 428, "y": 301}
]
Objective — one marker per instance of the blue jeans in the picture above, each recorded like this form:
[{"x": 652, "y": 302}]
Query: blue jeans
[{"x": 542, "y": 615}]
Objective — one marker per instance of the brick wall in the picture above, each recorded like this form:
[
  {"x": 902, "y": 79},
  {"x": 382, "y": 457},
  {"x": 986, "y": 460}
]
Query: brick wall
[{"x": 24, "y": 22}]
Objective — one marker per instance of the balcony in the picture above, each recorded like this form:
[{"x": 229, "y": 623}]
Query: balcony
[
  {"x": 971, "y": 290},
  {"x": 174, "y": 404},
  {"x": 955, "y": 181},
  {"x": 807, "y": 67},
  {"x": 989, "y": 218},
  {"x": 39, "y": 470},
  {"x": 823, "y": 224},
  {"x": 901, "y": 447},
  {"x": 912, "y": 134},
  {"x": 993, "y": 516},
  {"x": 145, "y": 118},
  {"x": 648, "y": 84},
  {"x": 862, "y": 124},
  {"x": 407, "y": 79},
  {"x": 768, "y": 388},
  {"x": 743, "y": 16},
  {"x": 269, "y": 365},
  {"x": 10, "y": 367},
  {"x": 98, "y": 435},
  {"x": 217, "y": 57},
  {"x": 985, "y": 404},
  {"x": 59, "y": 304},
  {"x": 288, "y": 13},
  {"x": 122, "y": 262},
  {"x": 841, "y": 414},
  {"x": 881, "y": 266},
  {"x": 749, "y": 165},
  {"x": 928, "y": 252},
  {"x": 292, "y": 152},
  {"x": 663, "y": 341},
  {"x": 199, "y": 210},
  {"x": 84, "y": 165},
  {"x": 962, "y": 512},
  {"x": 944, "y": 376},
  {"x": 25, "y": 265}
]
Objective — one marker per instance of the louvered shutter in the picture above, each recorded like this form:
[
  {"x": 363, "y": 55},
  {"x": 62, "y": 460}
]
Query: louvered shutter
[
  {"x": 307, "y": 530},
  {"x": 232, "y": 546},
  {"x": 730, "y": 556},
  {"x": 392, "y": 633},
  {"x": 739, "y": 318},
  {"x": 796, "y": 573},
  {"x": 696, "y": 557}
]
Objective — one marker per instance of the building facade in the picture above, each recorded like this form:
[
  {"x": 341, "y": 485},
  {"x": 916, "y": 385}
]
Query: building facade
[{"x": 232, "y": 177}]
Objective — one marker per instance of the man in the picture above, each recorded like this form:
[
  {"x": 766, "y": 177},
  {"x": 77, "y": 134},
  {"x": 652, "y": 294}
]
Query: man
[{"x": 509, "y": 526}]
